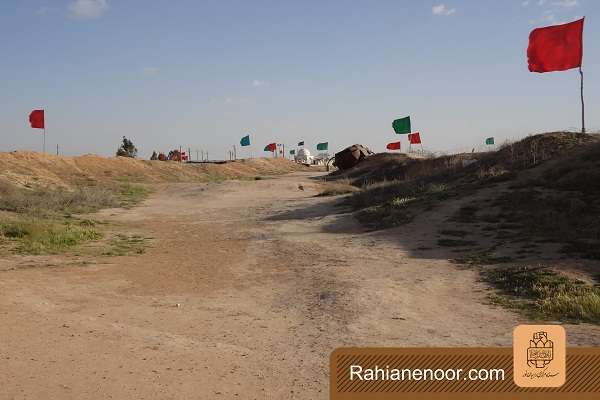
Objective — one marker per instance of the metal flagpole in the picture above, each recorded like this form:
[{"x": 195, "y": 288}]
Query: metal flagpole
[
  {"x": 582, "y": 103},
  {"x": 44, "y": 146}
]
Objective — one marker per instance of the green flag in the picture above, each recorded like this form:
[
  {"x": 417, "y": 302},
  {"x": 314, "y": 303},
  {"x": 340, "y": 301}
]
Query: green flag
[
  {"x": 323, "y": 146},
  {"x": 489, "y": 141},
  {"x": 402, "y": 125},
  {"x": 245, "y": 141},
  {"x": 292, "y": 152}
]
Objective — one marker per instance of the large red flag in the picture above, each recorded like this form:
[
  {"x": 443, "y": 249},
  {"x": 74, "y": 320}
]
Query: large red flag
[
  {"x": 556, "y": 48},
  {"x": 36, "y": 119},
  {"x": 393, "y": 146},
  {"x": 414, "y": 138}
]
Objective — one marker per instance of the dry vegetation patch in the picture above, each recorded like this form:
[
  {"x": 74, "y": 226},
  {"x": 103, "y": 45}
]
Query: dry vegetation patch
[
  {"x": 337, "y": 188},
  {"x": 545, "y": 293},
  {"x": 41, "y": 220},
  {"x": 41, "y": 195}
]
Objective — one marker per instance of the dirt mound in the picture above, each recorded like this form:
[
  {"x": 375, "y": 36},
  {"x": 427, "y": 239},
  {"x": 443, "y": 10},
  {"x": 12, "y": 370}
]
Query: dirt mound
[
  {"x": 385, "y": 167},
  {"x": 536, "y": 149},
  {"x": 510, "y": 158},
  {"x": 542, "y": 189},
  {"x": 31, "y": 168}
]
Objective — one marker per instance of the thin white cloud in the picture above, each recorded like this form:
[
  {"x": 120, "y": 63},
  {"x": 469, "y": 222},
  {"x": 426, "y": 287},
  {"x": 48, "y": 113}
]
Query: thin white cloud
[
  {"x": 526, "y": 3},
  {"x": 257, "y": 83},
  {"x": 441, "y": 9},
  {"x": 88, "y": 9},
  {"x": 150, "y": 71}
]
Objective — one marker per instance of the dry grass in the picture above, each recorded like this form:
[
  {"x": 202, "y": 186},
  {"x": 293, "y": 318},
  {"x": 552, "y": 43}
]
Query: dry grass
[
  {"x": 337, "y": 188},
  {"x": 31, "y": 168},
  {"x": 26, "y": 235},
  {"x": 545, "y": 293},
  {"x": 561, "y": 202},
  {"x": 132, "y": 194},
  {"x": 37, "y": 220},
  {"x": 125, "y": 244},
  {"x": 44, "y": 201},
  {"x": 39, "y": 192},
  {"x": 392, "y": 203}
]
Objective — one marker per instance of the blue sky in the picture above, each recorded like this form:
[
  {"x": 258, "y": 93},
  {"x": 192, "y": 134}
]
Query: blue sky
[{"x": 201, "y": 74}]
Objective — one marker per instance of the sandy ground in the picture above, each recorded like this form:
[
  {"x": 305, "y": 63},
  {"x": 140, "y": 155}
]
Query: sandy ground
[{"x": 245, "y": 291}]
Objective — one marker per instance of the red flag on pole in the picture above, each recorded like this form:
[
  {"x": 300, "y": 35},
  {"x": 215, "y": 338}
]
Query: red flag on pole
[
  {"x": 271, "y": 147},
  {"x": 36, "y": 119},
  {"x": 556, "y": 48},
  {"x": 414, "y": 138},
  {"x": 393, "y": 146}
]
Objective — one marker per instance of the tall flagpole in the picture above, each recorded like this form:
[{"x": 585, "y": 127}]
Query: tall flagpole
[
  {"x": 582, "y": 103},
  {"x": 44, "y": 146}
]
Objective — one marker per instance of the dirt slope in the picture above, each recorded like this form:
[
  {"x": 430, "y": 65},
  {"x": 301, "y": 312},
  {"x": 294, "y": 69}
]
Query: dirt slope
[
  {"x": 510, "y": 157},
  {"x": 28, "y": 168}
]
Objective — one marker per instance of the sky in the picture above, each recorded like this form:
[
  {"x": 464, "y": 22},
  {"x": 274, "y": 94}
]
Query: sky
[{"x": 202, "y": 74}]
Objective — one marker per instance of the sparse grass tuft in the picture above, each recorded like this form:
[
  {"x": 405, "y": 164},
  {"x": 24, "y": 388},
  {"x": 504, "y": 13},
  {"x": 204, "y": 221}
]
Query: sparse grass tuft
[
  {"x": 30, "y": 236},
  {"x": 393, "y": 203},
  {"x": 545, "y": 293},
  {"x": 122, "y": 244},
  {"x": 39, "y": 219},
  {"x": 43, "y": 201},
  {"x": 337, "y": 189},
  {"x": 132, "y": 194}
]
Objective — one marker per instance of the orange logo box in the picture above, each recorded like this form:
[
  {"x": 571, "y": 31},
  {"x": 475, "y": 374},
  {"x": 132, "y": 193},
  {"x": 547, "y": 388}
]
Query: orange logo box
[{"x": 539, "y": 355}]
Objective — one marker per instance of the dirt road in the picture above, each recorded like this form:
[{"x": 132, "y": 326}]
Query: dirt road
[{"x": 246, "y": 289}]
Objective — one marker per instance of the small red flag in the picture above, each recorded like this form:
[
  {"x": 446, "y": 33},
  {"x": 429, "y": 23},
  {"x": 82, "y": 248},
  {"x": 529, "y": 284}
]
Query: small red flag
[
  {"x": 414, "y": 138},
  {"x": 393, "y": 146},
  {"x": 36, "y": 119},
  {"x": 556, "y": 47},
  {"x": 271, "y": 147}
]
